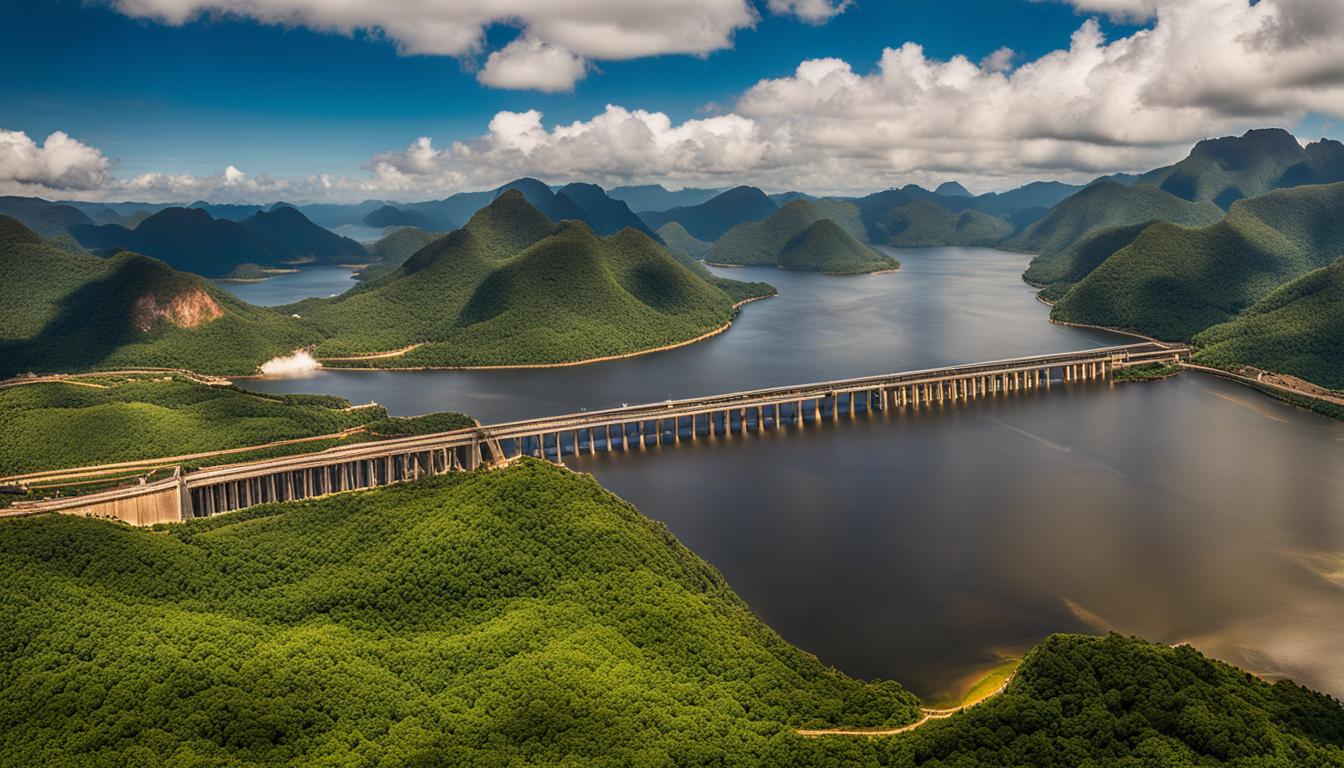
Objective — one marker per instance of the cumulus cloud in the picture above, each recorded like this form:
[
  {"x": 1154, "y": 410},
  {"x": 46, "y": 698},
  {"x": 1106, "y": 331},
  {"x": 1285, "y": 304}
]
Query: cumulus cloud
[
  {"x": 1204, "y": 68},
  {"x": 554, "y": 33},
  {"x": 530, "y": 64},
  {"x": 59, "y": 163},
  {"x": 811, "y": 11},
  {"x": 1122, "y": 10}
]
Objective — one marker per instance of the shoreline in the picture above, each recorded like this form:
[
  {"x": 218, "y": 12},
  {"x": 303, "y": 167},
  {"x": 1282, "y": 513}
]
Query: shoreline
[
  {"x": 526, "y": 366},
  {"x": 897, "y": 268}
]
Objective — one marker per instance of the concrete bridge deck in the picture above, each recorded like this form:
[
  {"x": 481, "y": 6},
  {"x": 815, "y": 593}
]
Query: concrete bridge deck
[{"x": 225, "y": 488}]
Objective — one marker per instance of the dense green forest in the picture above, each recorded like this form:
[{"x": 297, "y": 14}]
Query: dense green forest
[
  {"x": 67, "y": 311},
  {"x": 53, "y": 425},
  {"x": 922, "y": 224},
  {"x": 1105, "y": 205},
  {"x": 1172, "y": 282},
  {"x": 1297, "y": 329},
  {"x": 1231, "y": 168},
  {"x": 389, "y": 253},
  {"x": 526, "y": 616},
  {"x": 826, "y": 247},
  {"x": 523, "y": 616},
  {"x": 513, "y": 288},
  {"x": 681, "y": 242},
  {"x": 794, "y": 237},
  {"x": 1056, "y": 272}
]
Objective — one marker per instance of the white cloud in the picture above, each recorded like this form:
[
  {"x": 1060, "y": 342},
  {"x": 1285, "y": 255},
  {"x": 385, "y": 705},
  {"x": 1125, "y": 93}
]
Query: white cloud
[
  {"x": 1122, "y": 10},
  {"x": 578, "y": 29},
  {"x": 528, "y": 63},
  {"x": 811, "y": 11},
  {"x": 60, "y": 163},
  {"x": 1204, "y": 68}
]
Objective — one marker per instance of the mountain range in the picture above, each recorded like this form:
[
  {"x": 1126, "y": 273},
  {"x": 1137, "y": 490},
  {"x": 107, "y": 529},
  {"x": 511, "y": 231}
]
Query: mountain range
[
  {"x": 813, "y": 235},
  {"x": 191, "y": 239}
]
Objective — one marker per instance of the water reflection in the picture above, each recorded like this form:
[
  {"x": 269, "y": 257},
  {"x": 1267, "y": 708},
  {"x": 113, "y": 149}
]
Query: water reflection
[{"x": 289, "y": 287}]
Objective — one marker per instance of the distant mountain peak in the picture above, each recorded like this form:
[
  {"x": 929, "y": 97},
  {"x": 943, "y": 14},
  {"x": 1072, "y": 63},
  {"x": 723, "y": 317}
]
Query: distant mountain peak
[{"x": 952, "y": 189}]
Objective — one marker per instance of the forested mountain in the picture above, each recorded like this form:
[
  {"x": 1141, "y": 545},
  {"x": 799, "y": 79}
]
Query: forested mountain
[
  {"x": 46, "y": 218},
  {"x": 333, "y": 215},
  {"x": 389, "y": 253},
  {"x": 1056, "y": 272},
  {"x": 527, "y": 616},
  {"x": 66, "y": 311},
  {"x": 680, "y": 241},
  {"x": 391, "y": 216},
  {"x": 1297, "y": 329},
  {"x": 524, "y": 615},
  {"x": 710, "y": 219},
  {"x": 512, "y": 287},
  {"x": 190, "y": 239},
  {"x": 1228, "y": 169},
  {"x": 1174, "y": 282},
  {"x": 790, "y": 238},
  {"x": 925, "y": 224},
  {"x": 227, "y": 212},
  {"x": 1105, "y": 205},
  {"x": 654, "y": 197},
  {"x": 604, "y": 214},
  {"x": 952, "y": 189}
]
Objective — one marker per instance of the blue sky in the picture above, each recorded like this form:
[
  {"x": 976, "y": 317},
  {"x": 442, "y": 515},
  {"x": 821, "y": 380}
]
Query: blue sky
[{"x": 289, "y": 101}]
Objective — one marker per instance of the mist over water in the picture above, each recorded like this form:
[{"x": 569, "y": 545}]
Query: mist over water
[{"x": 923, "y": 545}]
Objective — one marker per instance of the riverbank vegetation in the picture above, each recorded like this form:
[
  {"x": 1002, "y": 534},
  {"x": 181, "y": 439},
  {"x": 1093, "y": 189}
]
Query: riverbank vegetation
[
  {"x": 1298, "y": 330},
  {"x": 520, "y": 616},
  {"x": 512, "y": 288},
  {"x": 1172, "y": 282},
  {"x": 52, "y": 425},
  {"x": 1145, "y": 372}
]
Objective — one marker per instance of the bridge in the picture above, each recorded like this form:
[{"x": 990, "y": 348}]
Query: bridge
[{"x": 214, "y": 490}]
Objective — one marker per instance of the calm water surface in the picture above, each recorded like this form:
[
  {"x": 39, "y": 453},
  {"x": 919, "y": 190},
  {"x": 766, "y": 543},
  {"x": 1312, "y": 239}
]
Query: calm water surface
[
  {"x": 924, "y": 546},
  {"x": 290, "y": 287}
]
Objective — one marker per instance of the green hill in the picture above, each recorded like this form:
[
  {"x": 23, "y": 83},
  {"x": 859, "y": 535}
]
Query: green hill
[
  {"x": 709, "y": 220},
  {"x": 46, "y": 218},
  {"x": 511, "y": 288},
  {"x": 679, "y": 241},
  {"x": 190, "y": 239},
  {"x": 1054, "y": 273},
  {"x": 390, "y": 216},
  {"x": 826, "y": 247},
  {"x": 1298, "y": 329},
  {"x": 526, "y": 616},
  {"x": 1231, "y": 168},
  {"x": 1174, "y": 282},
  {"x": 55, "y": 425},
  {"x": 790, "y": 238},
  {"x": 1106, "y": 205},
  {"x": 655, "y": 197},
  {"x": 604, "y": 214},
  {"x": 67, "y": 311},
  {"x": 389, "y": 253},
  {"x": 1118, "y": 701},
  {"x": 523, "y": 616},
  {"x": 922, "y": 224}
]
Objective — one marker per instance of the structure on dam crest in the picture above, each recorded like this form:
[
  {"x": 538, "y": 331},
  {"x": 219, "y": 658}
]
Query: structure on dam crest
[{"x": 219, "y": 489}]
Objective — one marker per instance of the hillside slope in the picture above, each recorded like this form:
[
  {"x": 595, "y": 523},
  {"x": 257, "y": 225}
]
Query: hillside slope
[
  {"x": 523, "y": 616},
  {"x": 46, "y": 218},
  {"x": 1054, "y": 273},
  {"x": 924, "y": 223},
  {"x": 1174, "y": 282},
  {"x": 763, "y": 243},
  {"x": 1298, "y": 329},
  {"x": 512, "y": 288},
  {"x": 826, "y": 247},
  {"x": 190, "y": 239},
  {"x": 1232, "y": 168},
  {"x": 709, "y": 220},
  {"x": 1105, "y": 205},
  {"x": 390, "y": 252},
  {"x": 66, "y": 311}
]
